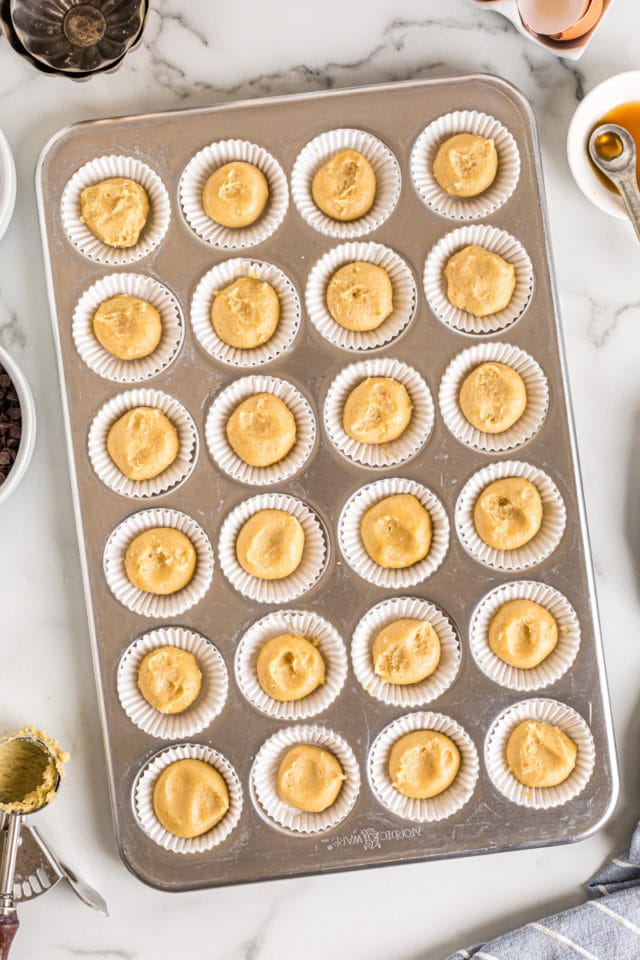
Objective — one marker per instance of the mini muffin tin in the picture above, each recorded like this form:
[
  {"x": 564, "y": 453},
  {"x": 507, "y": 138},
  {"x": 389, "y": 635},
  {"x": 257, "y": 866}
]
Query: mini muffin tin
[{"x": 327, "y": 485}]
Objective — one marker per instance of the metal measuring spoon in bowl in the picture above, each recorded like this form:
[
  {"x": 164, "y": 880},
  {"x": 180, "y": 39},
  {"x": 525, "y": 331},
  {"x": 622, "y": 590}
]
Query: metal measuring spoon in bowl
[
  {"x": 30, "y": 773},
  {"x": 613, "y": 150}
]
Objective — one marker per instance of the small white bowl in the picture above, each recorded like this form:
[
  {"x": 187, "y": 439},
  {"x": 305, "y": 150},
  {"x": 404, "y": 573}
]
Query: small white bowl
[
  {"x": 7, "y": 184},
  {"x": 619, "y": 89},
  {"x": 28, "y": 436}
]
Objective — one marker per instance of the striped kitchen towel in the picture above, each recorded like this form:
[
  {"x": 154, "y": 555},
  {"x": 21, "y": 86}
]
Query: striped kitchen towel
[{"x": 607, "y": 927}]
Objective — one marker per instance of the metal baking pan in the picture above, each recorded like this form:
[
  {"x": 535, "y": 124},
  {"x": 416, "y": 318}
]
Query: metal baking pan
[{"x": 396, "y": 113}]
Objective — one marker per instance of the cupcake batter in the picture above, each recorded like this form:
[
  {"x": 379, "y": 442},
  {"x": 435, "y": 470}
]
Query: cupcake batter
[
  {"x": 143, "y": 443},
  {"x": 236, "y": 194},
  {"x": 309, "y": 778},
  {"x": 466, "y": 165},
  {"x": 493, "y": 397},
  {"x": 161, "y": 560},
  {"x": 115, "y": 210},
  {"x": 290, "y": 667},
  {"x": 360, "y": 296},
  {"x": 396, "y": 531},
  {"x": 190, "y": 797},
  {"x": 540, "y": 754},
  {"x": 270, "y": 544},
  {"x": 28, "y": 773},
  {"x": 423, "y": 764},
  {"x": 127, "y": 327},
  {"x": 378, "y": 410},
  {"x": 246, "y": 313},
  {"x": 508, "y": 513},
  {"x": 261, "y": 430},
  {"x": 406, "y": 651},
  {"x": 480, "y": 282},
  {"x": 344, "y": 187},
  {"x": 523, "y": 633},
  {"x": 169, "y": 679}
]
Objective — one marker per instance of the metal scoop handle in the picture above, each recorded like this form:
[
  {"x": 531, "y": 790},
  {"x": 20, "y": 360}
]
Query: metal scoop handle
[{"x": 9, "y": 922}]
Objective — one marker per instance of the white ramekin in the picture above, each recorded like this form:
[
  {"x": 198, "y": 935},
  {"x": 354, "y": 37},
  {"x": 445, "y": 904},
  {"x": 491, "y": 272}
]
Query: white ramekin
[{"x": 621, "y": 88}]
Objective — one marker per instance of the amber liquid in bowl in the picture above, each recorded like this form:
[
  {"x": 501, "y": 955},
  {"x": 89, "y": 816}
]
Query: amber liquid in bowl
[{"x": 626, "y": 115}]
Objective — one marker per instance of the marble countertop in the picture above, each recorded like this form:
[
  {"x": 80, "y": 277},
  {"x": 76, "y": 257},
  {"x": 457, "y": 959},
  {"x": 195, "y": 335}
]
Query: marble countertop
[{"x": 195, "y": 54}]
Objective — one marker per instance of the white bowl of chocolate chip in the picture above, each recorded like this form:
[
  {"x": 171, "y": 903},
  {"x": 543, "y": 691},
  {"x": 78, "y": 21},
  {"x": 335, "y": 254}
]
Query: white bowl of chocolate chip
[{"x": 17, "y": 425}]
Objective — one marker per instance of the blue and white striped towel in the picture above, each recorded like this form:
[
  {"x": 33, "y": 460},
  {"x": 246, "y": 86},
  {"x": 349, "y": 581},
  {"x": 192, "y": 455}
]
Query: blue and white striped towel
[{"x": 607, "y": 927}]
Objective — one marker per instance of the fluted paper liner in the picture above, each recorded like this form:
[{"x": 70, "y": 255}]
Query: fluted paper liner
[
  {"x": 537, "y": 397},
  {"x": 409, "y": 442},
  {"x": 496, "y": 241},
  {"x": 208, "y": 704},
  {"x": 100, "y": 360},
  {"x": 143, "y": 798},
  {"x": 547, "y": 711},
  {"x": 198, "y": 171},
  {"x": 306, "y": 624},
  {"x": 435, "y": 808},
  {"x": 552, "y": 667},
  {"x": 264, "y": 774},
  {"x": 322, "y": 148},
  {"x": 412, "y": 694},
  {"x": 424, "y": 153},
  {"x": 150, "y": 604},
  {"x": 302, "y": 579},
  {"x": 224, "y": 454},
  {"x": 554, "y": 517},
  {"x": 220, "y": 277},
  {"x": 115, "y": 408},
  {"x": 353, "y": 548},
  {"x": 405, "y": 296},
  {"x": 102, "y": 168}
]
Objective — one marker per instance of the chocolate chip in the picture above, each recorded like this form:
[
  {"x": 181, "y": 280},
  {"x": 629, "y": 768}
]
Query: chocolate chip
[{"x": 10, "y": 424}]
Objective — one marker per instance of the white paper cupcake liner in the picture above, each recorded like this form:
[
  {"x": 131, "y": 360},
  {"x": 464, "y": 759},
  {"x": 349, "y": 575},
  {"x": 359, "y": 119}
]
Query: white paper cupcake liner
[
  {"x": 405, "y": 695},
  {"x": 207, "y": 706},
  {"x": 546, "y": 711},
  {"x": 220, "y": 277},
  {"x": 537, "y": 397},
  {"x": 353, "y": 548},
  {"x": 435, "y": 808},
  {"x": 264, "y": 774},
  {"x": 424, "y": 153},
  {"x": 101, "y": 169},
  {"x": 100, "y": 360},
  {"x": 297, "y": 583},
  {"x": 321, "y": 149},
  {"x": 198, "y": 171},
  {"x": 143, "y": 799},
  {"x": 554, "y": 517},
  {"x": 306, "y": 624},
  {"x": 408, "y": 443},
  {"x": 405, "y": 296},
  {"x": 115, "y": 408},
  {"x": 552, "y": 667},
  {"x": 225, "y": 404},
  {"x": 496, "y": 241},
  {"x": 150, "y": 604}
]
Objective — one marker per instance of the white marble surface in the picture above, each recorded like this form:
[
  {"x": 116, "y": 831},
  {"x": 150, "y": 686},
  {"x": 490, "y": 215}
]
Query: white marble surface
[{"x": 196, "y": 53}]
